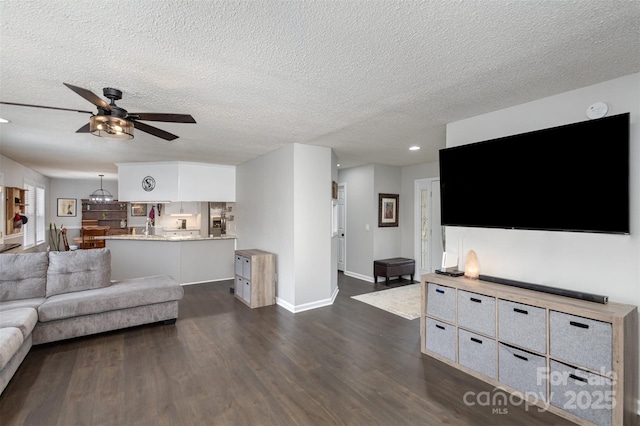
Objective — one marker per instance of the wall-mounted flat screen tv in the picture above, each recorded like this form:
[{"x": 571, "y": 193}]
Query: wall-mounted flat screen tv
[{"x": 568, "y": 178}]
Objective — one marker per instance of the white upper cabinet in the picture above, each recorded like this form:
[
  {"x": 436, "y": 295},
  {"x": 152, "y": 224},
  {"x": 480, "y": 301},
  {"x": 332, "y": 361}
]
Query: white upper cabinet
[
  {"x": 176, "y": 181},
  {"x": 186, "y": 207}
]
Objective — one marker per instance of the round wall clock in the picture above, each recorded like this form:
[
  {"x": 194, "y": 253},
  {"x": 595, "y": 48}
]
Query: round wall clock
[{"x": 148, "y": 183}]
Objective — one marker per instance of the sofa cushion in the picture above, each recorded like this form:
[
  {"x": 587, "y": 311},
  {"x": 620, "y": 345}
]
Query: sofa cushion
[
  {"x": 78, "y": 270},
  {"x": 23, "y": 276},
  {"x": 22, "y": 303},
  {"x": 24, "y": 319},
  {"x": 120, "y": 295},
  {"x": 10, "y": 341}
]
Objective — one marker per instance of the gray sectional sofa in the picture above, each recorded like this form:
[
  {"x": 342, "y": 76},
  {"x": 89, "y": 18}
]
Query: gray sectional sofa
[{"x": 45, "y": 297}]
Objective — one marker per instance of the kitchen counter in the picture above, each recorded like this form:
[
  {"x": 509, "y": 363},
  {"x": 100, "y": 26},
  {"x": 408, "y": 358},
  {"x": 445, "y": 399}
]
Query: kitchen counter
[
  {"x": 189, "y": 259},
  {"x": 172, "y": 238}
]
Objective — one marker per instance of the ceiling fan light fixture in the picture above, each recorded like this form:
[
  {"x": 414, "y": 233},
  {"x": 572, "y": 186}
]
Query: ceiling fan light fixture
[
  {"x": 108, "y": 126},
  {"x": 101, "y": 195}
]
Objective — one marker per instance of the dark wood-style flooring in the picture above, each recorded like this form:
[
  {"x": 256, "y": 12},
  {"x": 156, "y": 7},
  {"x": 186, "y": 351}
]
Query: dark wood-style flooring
[{"x": 225, "y": 364}]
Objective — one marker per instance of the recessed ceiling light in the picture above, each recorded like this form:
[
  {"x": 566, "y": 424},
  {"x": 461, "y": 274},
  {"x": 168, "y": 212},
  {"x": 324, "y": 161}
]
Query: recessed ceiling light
[
  {"x": 2, "y": 120},
  {"x": 414, "y": 148},
  {"x": 338, "y": 165}
]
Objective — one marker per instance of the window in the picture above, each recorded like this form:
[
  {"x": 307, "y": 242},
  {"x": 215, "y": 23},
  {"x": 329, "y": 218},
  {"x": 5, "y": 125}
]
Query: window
[
  {"x": 29, "y": 228},
  {"x": 40, "y": 232},
  {"x": 33, "y": 230}
]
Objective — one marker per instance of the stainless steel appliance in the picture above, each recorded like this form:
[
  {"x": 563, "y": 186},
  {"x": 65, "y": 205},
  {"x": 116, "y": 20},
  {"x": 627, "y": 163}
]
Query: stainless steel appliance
[{"x": 217, "y": 219}]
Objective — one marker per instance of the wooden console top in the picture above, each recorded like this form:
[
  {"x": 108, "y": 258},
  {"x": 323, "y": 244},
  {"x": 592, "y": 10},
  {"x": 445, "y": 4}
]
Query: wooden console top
[{"x": 603, "y": 312}]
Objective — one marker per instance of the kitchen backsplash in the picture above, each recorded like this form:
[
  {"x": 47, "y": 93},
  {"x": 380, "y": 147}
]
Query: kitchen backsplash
[
  {"x": 164, "y": 220},
  {"x": 198, "y": 219}
]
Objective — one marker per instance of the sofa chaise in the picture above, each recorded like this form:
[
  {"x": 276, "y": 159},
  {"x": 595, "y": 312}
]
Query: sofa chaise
[{"x": 46, "y": 297}]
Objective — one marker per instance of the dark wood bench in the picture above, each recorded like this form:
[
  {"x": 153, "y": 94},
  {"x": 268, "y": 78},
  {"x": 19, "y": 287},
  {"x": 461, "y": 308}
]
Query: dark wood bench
[{"x": 395, "y": 267}]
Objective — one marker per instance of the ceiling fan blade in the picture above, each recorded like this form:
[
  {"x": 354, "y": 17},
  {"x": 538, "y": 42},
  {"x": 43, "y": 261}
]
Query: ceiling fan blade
[
  {"x": 170, "y": 118},
  {"x": 47, "y": 107},
  {"x": 84, "y": 129},
  {"x": 90, "y": 96},
  {"x": 154, "y": 131}
]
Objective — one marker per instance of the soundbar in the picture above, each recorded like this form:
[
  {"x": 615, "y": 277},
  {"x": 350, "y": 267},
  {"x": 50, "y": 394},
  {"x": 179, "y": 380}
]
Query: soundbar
[{"x": 546, "y": 289}]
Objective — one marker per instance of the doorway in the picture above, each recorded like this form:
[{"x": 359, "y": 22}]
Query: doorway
[
  {"x": 342, "y": 225},
  {"x": 429, "y": 244},
  {"x": 2, "y": 210}
]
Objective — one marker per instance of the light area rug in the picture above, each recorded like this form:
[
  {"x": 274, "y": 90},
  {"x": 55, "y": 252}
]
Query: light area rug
[{"x": 403, "y": 301}]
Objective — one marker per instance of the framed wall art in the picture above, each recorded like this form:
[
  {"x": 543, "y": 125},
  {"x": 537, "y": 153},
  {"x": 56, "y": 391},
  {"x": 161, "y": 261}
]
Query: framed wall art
[
  {"x": 138, "y": 209},
  {"x": 387, "y": 210},
  {"x": 67, "y": 207}
]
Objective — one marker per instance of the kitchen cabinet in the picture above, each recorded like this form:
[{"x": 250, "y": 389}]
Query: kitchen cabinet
[
  {"x": 182, "y": 232},
  {"x": 187, "y": 208},
  {"x": 255, "y": 277},
  {"x": 15, "y": 203},
  {"x": 176, "y": 181},
  {"x": 113, "y": 215}
]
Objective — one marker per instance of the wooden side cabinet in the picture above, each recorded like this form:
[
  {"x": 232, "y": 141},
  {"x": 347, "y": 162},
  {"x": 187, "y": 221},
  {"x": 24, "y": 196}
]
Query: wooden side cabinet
[
  {"x": 255, "y": 277},
  {"x": 574, "y": 358},
  {"x": 15, "y": 203}
]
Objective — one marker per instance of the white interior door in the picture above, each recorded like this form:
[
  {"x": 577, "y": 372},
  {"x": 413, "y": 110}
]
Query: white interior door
[
  {"x": 436, "y": 245},
  {"x": 428, "y": 231},
  {"x": 342, "y": 237}
]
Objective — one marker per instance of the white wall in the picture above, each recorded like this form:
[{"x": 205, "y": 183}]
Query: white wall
[
  {"x": 386, "y": 240},
  {"x": 264, "y": 212},
  {"x": 361, "y": 210},
  {"x": 592, "y": 263},
  {"x": 283, "y": 206},
  {"x": 15, "y": 175},
  {"x": 334, "y": 241},
  {"x": 363, "y": 185},
  {"x": 312, "y": 224},
  {"x": 367, "y": 242},
  {"x": 79, "y": 189},
  {"x": 595, "y": 263}
]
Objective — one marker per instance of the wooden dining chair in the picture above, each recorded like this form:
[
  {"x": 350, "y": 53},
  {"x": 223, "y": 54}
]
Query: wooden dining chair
[
  {"x": 64, "y": 239},
  {"x": 89, "y": 222},
  {"x": 89, "y": 235}
]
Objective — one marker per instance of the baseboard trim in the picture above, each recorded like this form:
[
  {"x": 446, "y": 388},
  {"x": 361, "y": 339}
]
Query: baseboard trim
[
  {"x": 208, "y": 281},
  {"x": 288, "y": 306},
  {"x": 359, "y": 276},
  {"x": 307, "y": 306},
  {"x": 334, "y": 295}
]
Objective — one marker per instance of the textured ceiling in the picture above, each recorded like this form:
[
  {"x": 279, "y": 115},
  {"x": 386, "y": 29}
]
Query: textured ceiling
[{"x": 366, "y": 78}]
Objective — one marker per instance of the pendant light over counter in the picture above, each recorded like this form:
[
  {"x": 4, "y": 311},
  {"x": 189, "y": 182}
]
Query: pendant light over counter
[{"x": 101, "y": 195}]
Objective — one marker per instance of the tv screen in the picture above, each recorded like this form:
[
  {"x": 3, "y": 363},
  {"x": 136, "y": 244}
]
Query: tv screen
[{"x": 568, "y": 178}]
